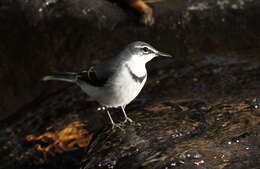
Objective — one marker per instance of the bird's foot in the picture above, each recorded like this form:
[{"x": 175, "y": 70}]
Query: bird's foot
[
  {"x": 115, "y": 126},
  {"x": 127, "y": 119},
  {"x": 135, "y": 124}
]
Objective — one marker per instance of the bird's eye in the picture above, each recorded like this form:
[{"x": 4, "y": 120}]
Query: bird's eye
[{"x": 145, "y": 49}]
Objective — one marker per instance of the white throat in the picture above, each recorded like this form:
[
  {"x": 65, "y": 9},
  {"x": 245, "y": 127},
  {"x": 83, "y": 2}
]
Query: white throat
[{"x": 137, "y": 67}]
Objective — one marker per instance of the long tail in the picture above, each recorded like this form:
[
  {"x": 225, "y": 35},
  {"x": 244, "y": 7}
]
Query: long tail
[{"x": 66, "y": 76}]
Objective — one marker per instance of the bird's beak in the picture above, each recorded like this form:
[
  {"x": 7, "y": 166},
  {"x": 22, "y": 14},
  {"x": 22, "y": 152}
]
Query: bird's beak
[{"x": 164, "y": 54}]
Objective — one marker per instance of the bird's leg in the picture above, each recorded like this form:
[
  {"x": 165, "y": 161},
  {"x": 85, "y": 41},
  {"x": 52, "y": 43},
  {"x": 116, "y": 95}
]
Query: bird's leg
[
  {"x": 126, "y": 117},
  {"x": 112, "y": 121}
]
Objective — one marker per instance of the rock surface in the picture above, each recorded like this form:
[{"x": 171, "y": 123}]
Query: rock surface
[{"x": 200, "y": 116}]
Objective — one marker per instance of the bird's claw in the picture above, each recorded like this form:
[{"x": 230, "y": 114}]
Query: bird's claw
[
  {"x": 115, "y": 126},
  {"x": 128, "y": 119},
  {"x": 131, "y": 121}
]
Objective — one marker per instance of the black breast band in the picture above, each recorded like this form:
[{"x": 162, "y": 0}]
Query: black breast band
[{"x": 134, "y": 77}]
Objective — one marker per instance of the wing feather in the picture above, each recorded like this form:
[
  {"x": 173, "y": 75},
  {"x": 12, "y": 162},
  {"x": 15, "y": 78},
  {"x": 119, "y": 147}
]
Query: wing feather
[{"x": 98, "y": 75}]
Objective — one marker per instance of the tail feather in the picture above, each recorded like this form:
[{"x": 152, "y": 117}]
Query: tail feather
[{"x": 67, "y": 77}]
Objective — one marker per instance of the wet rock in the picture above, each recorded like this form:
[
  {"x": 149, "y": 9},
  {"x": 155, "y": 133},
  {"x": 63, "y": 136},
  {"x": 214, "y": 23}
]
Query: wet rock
[
  {"x": 170, "y": 131},
  {"x": 190, "y": 155}
]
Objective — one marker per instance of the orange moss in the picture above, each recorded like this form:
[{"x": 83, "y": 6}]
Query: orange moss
[{"x": 73, "y": 135}]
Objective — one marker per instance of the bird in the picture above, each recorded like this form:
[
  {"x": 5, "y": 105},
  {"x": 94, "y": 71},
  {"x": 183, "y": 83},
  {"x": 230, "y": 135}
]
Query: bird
[{"x": 116, "y": 81}]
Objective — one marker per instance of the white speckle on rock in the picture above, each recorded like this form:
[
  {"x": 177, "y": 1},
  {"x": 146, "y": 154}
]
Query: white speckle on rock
[
  {"x": 40, "y": 10},
  {"x": 234, "y": 6},
  {"x": 199, "y": 162},
  {"x": 199, "y": 6},
  {"x": 173, "y": 164},
  {"x": 222, "y": 3},
  {"x": 241, "y": 2}
]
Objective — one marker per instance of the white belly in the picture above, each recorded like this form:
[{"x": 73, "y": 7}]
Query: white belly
[
  {"x": 122, "y": 92},
  {"x": 118, "y": 92}
]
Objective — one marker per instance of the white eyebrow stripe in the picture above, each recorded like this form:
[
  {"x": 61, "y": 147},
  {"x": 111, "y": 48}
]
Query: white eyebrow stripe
[{"x": 150, "y": 48}]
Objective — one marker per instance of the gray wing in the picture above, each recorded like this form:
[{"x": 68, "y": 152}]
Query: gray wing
[{"x": 99, "y": 75}]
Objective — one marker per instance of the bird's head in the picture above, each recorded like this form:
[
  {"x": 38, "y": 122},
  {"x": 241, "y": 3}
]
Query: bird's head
[{"x": 143, "y": 52}]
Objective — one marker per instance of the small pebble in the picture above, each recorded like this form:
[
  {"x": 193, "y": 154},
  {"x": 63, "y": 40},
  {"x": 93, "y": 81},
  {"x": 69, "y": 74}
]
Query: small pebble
[{"x": 199, "y": 162}]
